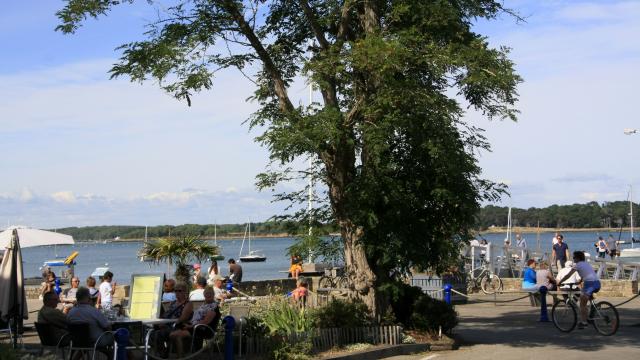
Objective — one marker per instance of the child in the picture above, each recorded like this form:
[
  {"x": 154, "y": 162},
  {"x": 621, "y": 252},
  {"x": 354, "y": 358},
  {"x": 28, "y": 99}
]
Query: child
[
  {"x": 107, "y": 290},
  {"x": 301, "y": 291},
  {"x": 295, "y": 269}
]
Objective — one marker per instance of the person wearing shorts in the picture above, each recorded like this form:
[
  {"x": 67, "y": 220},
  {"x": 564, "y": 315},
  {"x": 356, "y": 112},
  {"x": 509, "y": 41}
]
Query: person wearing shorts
[{"x": 590, "y": 284}]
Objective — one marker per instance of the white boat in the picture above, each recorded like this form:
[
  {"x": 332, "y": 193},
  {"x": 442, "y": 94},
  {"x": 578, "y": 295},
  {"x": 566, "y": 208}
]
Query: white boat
[
  {"x": 632, "y": 254},
  {"x": 215, "y": 242},
  {"x": 252, "y": 256}
]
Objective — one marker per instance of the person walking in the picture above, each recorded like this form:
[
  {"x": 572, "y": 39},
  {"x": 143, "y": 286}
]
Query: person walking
[
  {"x": 613, "y": 247},
  {"x": 603, "y": 249},
  {"x": 560, "y": 252}
]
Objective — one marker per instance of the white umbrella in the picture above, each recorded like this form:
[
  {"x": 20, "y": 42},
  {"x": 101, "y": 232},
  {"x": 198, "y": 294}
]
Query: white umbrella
[
  {"x": 13, "y": 303},
  {"x": 34, "y": 237}
]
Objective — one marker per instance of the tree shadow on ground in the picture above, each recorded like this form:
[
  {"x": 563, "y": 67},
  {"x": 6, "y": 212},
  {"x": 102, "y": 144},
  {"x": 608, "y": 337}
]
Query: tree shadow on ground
[{"x": 519, "y": 328}]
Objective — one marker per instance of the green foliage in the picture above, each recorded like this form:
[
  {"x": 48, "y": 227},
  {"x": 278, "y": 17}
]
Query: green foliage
[
  {"x": 328, "y": 248},
  {"x": 402, "y": 299},
  {"x": 430, "y": 314},
  {"x": 388, "y": 140},
  {"x": 284, "y": 318},
  {"x": 7, "y": 352},
  {"x": 179, "y": 251},
  {"x": 590, "y": 215},
  {"x": 284, "y": 350},
  {"x": 342, "y": 314}
]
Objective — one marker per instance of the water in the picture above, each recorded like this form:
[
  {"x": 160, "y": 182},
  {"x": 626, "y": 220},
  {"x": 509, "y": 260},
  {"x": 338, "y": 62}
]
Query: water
[
  {"x": 576, "y": 240},
  {"x": 123, "y": 261}
]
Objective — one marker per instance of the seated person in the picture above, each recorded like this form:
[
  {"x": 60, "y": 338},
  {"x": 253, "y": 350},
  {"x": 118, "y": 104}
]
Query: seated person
[
  {"x": 301, "y": 291},
  {"x": 544, "y": 277},
  {"x": 181, "y": 309},
  {"x": 572, "y": 281},
  {"x": 296, "y": 267},
  {"x": 198, "y": 293},
  {"x": 529, "y": 280},
  {"x": 85, "y": 313},
  {"x": 69, "y": 295},
  {"x": 168, "y": 293},
  {"x": 49, "y": 314},
  {"x": 220, "y": 293},
  {"x": 48, "y": 284},
  {"x": 93, "y": 292},
  {"x": 207, "y": 314}
]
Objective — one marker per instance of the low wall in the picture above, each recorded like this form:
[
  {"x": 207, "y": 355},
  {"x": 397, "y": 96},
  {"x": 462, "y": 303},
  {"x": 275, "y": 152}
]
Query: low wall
[
  {"x": 610, "y": 288},
  {"x": 267, "y": 287}
]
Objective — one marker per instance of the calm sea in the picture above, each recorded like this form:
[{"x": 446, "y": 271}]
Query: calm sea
[{"x": 122, "y": 259}]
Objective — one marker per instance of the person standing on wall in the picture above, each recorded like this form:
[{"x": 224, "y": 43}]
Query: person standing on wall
[{"x": 560, "y": 252}]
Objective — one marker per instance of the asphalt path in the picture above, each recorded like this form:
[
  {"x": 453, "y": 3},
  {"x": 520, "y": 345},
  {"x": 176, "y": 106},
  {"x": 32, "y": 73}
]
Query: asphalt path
[{"x": 513, "y": 331}]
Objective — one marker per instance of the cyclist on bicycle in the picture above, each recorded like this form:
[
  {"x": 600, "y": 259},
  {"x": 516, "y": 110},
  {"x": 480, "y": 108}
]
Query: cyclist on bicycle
[{"x": 591, "y": 284}]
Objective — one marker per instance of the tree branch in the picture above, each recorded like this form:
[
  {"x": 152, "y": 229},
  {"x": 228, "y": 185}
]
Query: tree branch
[
  {"x": 280, "y": 87},
  {"x": 308, "y": 12}
]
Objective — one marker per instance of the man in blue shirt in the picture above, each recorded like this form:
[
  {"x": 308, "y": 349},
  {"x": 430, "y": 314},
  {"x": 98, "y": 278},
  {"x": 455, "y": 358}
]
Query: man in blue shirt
[{"x": 560, "y": 252}]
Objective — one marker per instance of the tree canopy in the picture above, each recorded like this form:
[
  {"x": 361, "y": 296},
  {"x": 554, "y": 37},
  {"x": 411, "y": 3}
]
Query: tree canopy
[{"x": 388, "y": 139}]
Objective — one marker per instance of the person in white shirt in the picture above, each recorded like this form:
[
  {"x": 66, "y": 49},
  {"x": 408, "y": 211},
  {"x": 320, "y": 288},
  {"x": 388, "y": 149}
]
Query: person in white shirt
[
  {"x": 520, "y": 241},
  {"x": 198, "y": 293},
  {"x": 572, "y": 281},
  {"x": 591, "y": 283},
  {"x": 107, "y": 289}
]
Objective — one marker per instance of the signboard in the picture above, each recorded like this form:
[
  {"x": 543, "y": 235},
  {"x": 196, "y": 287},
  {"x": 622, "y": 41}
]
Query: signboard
[{"x": 145, "y": 296}]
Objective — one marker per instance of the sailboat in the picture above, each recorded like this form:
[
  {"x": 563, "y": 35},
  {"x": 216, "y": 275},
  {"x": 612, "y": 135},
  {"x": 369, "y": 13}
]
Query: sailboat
[
  {"x": 215, "y": 242},
  {"x": 632, "y": 254},
  {"x": 144, "y": 258},
  {"x": 252, "y": 256}
]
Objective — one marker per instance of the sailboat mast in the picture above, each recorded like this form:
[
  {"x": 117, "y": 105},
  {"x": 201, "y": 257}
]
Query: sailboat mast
[
  {"x": 243, "y": 238},
  {"x": 145, "y": 234},
  {"x": 215, "y": 234},
  {"x": 631, "y": 213},
  {"x": 249, "y": 238}
]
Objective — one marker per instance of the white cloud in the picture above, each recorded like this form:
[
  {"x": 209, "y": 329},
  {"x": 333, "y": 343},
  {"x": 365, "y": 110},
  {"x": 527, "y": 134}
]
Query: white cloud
[
  {"x": 598, "y": 11},
  {"x": 64, "y": 196},
  {"x": 26, "y": 195}
]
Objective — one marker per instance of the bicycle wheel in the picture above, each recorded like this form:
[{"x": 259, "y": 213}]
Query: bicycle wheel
[
  {"x": 325, "y": 282},
  {"x": 605, "y": 318},
  {"x": 564, "y": 315},
  {"x": 491, "y": 283},
  {"x": 342, "y": 283}
]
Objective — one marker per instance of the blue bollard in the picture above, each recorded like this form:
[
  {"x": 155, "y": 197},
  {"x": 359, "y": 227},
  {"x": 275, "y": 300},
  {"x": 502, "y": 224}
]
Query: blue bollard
[
  {"x": 544, "y": 316},
  {"x": 122, "y": 339},
  {"x": 229, "y": 325},
  {"x": 57, "y": 288},
  {"x": 230, "y": 285},
  {"x": 447, "y": 293}
]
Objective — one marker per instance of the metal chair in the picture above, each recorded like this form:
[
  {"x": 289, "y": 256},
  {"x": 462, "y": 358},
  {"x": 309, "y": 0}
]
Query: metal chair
[
  {"x": 79, "y": 333},
  {"x": 6, "y": 328},
  {"x": 49, "y": 338}
]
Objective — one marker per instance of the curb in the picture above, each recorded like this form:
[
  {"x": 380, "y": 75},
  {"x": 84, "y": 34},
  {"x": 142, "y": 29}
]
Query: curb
[{"x": 391, "y": 350}]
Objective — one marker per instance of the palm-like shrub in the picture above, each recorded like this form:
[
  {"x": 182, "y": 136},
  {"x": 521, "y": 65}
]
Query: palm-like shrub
[{"x": 179, "y": 251}]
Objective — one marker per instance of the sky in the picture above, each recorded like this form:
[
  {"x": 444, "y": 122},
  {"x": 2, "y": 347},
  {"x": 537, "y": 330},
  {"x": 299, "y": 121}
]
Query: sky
[{"x": 79, "y": 149}]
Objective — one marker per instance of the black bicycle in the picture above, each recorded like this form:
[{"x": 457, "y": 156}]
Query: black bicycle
[
  {"x": 602, "y": 314},
  {"x": 484, "y": 279}
]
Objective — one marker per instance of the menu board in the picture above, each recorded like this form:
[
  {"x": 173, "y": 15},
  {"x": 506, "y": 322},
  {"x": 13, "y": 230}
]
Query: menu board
[{"x": 145, "y": 296}]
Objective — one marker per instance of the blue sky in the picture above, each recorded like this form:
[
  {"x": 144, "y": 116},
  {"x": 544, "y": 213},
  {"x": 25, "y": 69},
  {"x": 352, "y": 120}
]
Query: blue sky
[{"x": 80, "y": 149}]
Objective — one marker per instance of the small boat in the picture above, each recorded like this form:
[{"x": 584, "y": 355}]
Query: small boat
[
  {"x": 252, "y": 256},
  {"x": 215, "y": 242},
  {"x": 632, "y": 254}
]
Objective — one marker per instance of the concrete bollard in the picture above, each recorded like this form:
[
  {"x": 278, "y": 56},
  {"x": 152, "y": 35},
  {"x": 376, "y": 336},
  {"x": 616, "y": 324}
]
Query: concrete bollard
[
  {"x": 447, "y": 293},
  {"x": 544, "y": 316},
  {"x": 229, "y": 325}
]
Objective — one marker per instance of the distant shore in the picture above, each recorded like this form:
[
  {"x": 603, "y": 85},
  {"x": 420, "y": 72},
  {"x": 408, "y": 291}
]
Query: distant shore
[
  {"x": 525, "y": 229},
  {"x": 221, "y": 237}
]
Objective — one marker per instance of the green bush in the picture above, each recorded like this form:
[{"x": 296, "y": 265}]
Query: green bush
[
  {"x": 283, "y": 350},
  {"x": 285, "y": 318},
  {"x": 403, "y": 298},
  {"x": 342, "y": 314},
  {"x": 430, "y": 314}
]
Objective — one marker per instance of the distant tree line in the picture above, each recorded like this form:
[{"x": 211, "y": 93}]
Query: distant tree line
[
  {"x": 590, "y": 215},
  {"x": 205, "y": 231}
]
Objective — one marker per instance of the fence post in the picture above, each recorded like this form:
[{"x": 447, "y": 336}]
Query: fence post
[
  {"x": 447, "y": 293},
  {"x": 544, "y": 317},
  {"x": 122, "y": 340},
  {"x": 229, "y": 324}
]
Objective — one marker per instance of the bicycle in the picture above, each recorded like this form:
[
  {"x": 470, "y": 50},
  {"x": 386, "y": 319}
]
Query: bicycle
[
  {"x": 602, "y": 314},
  {"x": 485, "y": 279},
  {"x": 329, "y": 281}
]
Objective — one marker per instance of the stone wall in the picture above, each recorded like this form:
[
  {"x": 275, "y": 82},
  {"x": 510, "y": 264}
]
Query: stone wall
[
  {"x": 610, "y": 288},
  {"x": 267, "y": 287}
]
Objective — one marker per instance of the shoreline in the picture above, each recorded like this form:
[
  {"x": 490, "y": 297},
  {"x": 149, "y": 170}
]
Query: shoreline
[{"x": 525, "y": 229}]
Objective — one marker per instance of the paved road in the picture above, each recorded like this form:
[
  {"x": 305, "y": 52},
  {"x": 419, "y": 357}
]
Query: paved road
[{"x": 512, "y": 331}]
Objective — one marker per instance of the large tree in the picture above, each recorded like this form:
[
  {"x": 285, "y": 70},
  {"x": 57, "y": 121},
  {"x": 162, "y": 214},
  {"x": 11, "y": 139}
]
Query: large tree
[{"x": 388, "y": 138}]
